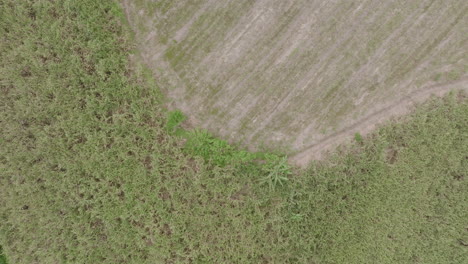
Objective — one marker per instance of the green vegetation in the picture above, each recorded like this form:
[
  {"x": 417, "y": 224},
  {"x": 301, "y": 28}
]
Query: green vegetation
[
  {"x": 358, "y": 137},
  {"x": 216, "y": 151},
  {"x": 220, "y": 153},
  {"x": 93, "y": 170},
  {"x": 2, "y": 257},
  {"x": 174, "y": 119}
]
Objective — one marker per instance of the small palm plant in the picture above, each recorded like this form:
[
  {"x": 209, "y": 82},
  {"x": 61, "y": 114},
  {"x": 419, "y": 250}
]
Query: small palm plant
[{"x": 277, "y": 172}]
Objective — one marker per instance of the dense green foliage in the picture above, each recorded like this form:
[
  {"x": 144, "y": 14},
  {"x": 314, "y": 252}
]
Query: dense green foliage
[
  {"x": 91, "y": 171},
  {"x": 218, "y": 152}
]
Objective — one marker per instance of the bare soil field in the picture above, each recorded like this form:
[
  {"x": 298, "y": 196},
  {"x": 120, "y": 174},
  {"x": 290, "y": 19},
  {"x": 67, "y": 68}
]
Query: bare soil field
[{"x": 300, "y": 76}]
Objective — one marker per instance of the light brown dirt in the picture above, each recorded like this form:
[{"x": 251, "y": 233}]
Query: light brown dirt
[
  {"x": 369, "y": 123},
  {"x": 297, "y": 75}
]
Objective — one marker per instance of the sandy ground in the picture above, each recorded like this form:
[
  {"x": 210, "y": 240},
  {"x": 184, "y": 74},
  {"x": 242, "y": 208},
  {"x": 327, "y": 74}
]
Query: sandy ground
[{"x": 301, "y": 76}]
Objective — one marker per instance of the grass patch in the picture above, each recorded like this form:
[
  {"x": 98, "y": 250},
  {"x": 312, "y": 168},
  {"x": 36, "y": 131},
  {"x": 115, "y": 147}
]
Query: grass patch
[
  {"x": 218, "y": 152},
  {"x": 2, "y": 257},
  {"x": 358, "y": 137},
  {"x": 174, "y": 120},
  {"x": 91, "y": 171},
  {"x": 277, "y": 171},
  {"x": 214, "y": 150}
]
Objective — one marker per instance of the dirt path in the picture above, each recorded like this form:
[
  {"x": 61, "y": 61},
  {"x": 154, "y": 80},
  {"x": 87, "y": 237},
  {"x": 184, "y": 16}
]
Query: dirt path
[{"x": 369, "y": 123}]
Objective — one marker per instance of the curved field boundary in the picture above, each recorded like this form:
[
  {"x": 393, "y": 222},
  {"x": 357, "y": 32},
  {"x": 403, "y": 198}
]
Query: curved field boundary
[{"x": 369, "y": 123}]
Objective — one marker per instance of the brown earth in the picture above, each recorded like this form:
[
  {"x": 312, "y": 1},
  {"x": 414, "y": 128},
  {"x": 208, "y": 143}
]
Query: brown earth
[
  {"x": 302, "y": 76},
  {"x": 370, "y": 122}
]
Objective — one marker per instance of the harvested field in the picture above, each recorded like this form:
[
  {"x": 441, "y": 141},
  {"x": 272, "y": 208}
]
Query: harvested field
[
  {"x": 295, "y": 74},
  {"x": 94, "y": 169}
]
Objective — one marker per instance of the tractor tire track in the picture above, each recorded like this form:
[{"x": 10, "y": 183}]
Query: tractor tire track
[{"x": 365, "y": 125}]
